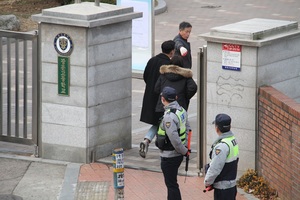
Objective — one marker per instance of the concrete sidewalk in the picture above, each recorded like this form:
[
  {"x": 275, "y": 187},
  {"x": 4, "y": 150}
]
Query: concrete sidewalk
[
  {"x": 144, "y": 184},
  {"x": 29, "y": 178},
  {"x": 24, "y": 177}
]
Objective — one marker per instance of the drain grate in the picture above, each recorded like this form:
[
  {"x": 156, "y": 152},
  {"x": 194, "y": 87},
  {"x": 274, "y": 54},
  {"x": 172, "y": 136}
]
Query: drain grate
[
  {"x": 210, "y": 6},
  {"x": 92, "y": 190}
]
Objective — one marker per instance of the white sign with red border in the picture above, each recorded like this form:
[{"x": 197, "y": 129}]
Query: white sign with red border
[{"x": 231, "y": 57}]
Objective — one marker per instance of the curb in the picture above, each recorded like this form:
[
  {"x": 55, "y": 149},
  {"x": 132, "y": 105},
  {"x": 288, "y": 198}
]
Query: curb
[
  {"x": 69, "y": 185},
  {"x": 160, "y": 8},
  {"x": 34, "y": 159}
]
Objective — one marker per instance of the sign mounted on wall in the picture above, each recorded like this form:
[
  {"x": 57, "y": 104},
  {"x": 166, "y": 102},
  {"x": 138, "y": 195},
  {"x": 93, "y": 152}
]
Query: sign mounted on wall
[
  {"x": 63, "y": 76},
  {"x": 63, "y": 45},
  {"x": 231, "y": 57}
]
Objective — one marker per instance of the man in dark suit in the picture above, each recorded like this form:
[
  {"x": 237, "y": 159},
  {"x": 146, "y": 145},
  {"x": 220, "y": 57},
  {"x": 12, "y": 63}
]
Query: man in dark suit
[{"x": 182, "y": 46}]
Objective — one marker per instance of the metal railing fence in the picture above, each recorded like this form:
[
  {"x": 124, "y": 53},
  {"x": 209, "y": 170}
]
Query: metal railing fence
[{"x": 19, "y": 87}]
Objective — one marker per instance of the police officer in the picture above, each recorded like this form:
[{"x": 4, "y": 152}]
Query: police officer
[
  {"x": 171, "y": 140},
  {"x": 224, "y": 155}
]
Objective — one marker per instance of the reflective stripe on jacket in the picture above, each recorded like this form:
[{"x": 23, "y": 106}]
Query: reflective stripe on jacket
[
  {"x": 229, "y": 170},
  {"x": 224, "y": 160},
  {"x": 181, "y": 131}
]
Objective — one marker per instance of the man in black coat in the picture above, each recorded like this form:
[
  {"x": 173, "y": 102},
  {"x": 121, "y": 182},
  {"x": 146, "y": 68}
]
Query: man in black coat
[{"x": 151, "y": 74}]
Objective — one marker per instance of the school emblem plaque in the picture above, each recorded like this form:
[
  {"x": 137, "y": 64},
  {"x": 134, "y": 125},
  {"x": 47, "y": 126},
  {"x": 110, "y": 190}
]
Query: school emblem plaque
[{"x": 63, "y": 44}]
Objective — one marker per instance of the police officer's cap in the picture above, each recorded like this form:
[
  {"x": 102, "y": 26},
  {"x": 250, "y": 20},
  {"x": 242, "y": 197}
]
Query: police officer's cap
[
  {"x": 223, "y": 122},
  {"x": 169, "y": 93}
]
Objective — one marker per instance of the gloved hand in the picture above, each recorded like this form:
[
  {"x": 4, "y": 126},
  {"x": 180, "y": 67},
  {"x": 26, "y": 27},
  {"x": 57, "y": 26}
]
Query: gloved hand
[
  {"x": 183, "y": 51},
  {"x": 188, "y": 152},
  {"x": 208, "y": 188}
]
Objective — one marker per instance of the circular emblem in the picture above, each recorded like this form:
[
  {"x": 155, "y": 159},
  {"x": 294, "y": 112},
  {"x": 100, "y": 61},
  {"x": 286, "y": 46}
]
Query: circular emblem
[{"x": 63, "y": 44}]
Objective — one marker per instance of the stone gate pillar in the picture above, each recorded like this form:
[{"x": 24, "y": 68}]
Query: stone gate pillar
[
  {"x": 85, "y": 80},
  {"x": 241, "y": 57}
]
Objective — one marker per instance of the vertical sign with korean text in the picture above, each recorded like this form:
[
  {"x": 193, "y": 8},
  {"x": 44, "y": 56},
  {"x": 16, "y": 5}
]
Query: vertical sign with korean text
[
  {"x": 118, "y": 169},
  {"x": 63, "y": 45},
  {"x": 231, "y": 57},
  {"x": 63, "y": 75}
]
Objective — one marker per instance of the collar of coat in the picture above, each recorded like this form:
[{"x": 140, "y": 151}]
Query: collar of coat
[{"x": 187, "y": 73}]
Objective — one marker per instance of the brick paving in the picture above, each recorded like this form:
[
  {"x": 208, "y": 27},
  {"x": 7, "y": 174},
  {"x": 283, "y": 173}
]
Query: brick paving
[{"x": 143, "y": 184}]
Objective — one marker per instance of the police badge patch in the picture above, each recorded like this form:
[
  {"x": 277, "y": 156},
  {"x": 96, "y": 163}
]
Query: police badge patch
[
  {"x": 217, "y": 151},
  {"x": 63, "y": 44},
  {"x": 168, "y": 124}
]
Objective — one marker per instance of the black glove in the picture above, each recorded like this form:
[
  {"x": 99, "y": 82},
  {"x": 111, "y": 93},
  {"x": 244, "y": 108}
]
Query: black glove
[{"x": 188, "y": 152}]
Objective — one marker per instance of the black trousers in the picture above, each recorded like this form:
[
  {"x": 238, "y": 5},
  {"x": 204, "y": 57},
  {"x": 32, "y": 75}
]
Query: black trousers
[
  {"x": 169, "y": 167},
  {"x": 228, "y": 194}
]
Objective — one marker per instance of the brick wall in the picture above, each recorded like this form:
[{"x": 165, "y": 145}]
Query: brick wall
[{"x": 279, "y": 142}]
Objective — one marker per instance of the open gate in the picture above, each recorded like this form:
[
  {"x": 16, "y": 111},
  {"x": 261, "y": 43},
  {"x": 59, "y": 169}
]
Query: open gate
[{"x": 19, "y": 86}]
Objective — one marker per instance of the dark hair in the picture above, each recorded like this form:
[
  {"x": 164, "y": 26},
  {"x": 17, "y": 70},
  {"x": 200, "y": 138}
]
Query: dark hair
[
  {"x": 223, "y": 129},
  {"x": 177, "y": 60},
  {"x": 167, "y": 46},
  {"x": 184, "y": 25}
]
